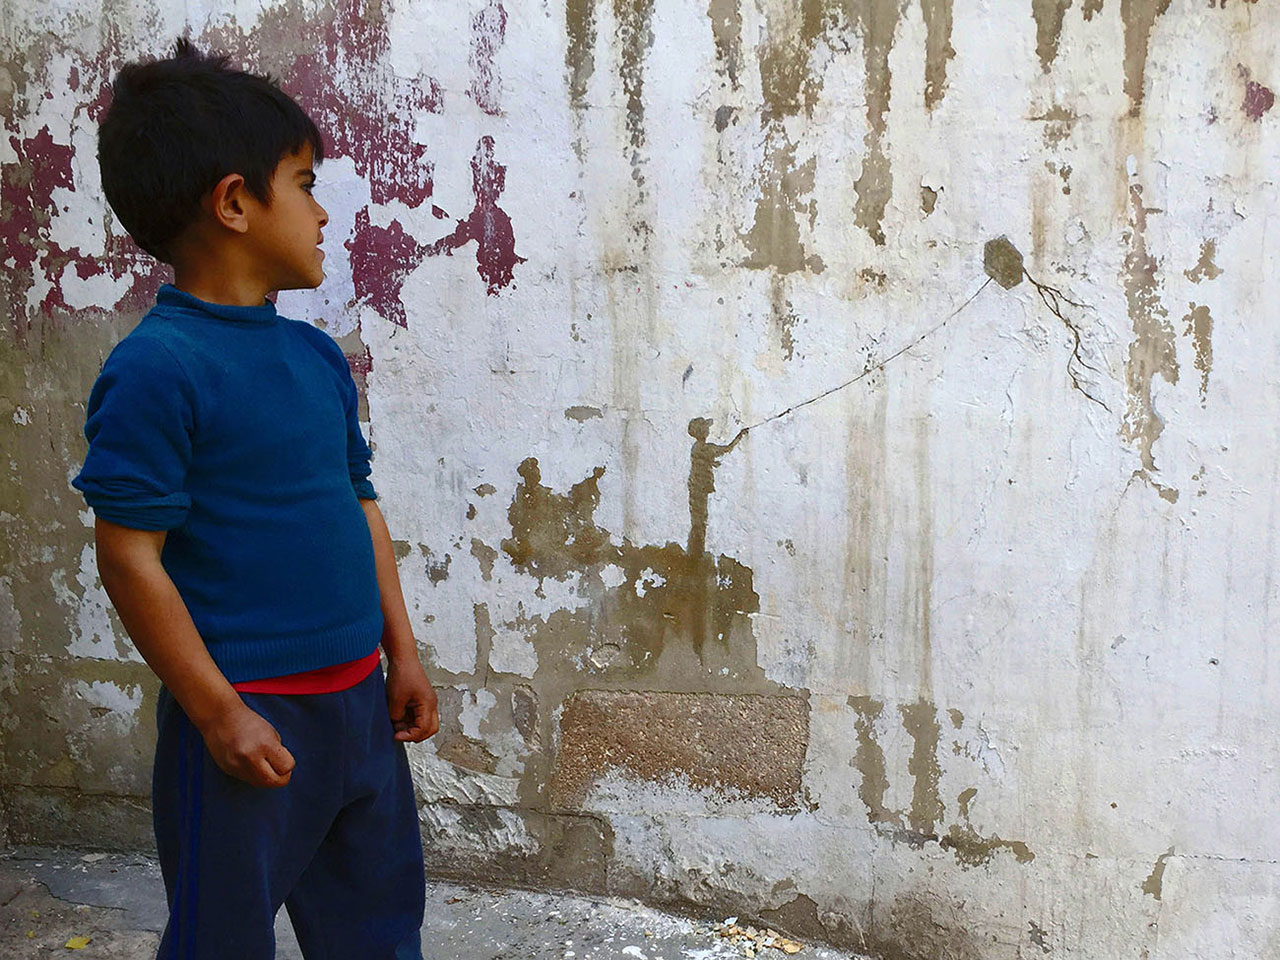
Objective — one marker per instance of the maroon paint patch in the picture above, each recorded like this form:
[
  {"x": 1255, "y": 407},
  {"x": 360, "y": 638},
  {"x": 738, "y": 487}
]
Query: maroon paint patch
[
  {"x": 361, "y": 365},
  {"x": 488, "y": 31},
  {"x": 487, "y": 224},
  {"x": 40, "y": 167},
  {"x": 381, "y": 259},
  {"x": 1258, "y": 99},
  {"x": 370, "y": 118}
]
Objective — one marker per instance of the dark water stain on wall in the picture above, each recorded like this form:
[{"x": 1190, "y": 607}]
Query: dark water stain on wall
[
  {"x": 971, "y": 848},
  {"x": 1153, "y": 351},
  {"x": 868, "y": 759},
  {"x": 938, "y": 49},
  {"x": 919, "y": 825},
  {"x": 726, "y": 31},
  {"x": 635, "y": 37},
  {"x": 1139, "y": 18},
  {"x": 667, "y": 590},
  {"x": 579, "y": 57},
  {"x": 920, "y": 719},
  {"x": 774, "y": 238},
  {"x": 878, "y": 20},
  {"x": 1049, "y": 15}
]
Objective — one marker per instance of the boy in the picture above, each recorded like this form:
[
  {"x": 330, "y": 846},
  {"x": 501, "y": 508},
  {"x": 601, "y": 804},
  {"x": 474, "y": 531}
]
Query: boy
[{"x": 239, "y": 539}]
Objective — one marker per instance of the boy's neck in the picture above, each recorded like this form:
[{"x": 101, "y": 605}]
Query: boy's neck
[{"x": 219, "y": 287}]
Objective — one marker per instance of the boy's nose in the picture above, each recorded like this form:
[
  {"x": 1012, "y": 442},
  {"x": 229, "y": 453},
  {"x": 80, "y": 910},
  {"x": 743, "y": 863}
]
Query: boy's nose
[{"x": 324, "y": 215}]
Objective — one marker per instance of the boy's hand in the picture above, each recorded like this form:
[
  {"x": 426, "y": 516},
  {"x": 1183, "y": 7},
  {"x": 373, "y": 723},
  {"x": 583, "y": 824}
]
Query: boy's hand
[
  {"x": 246, "y": 747},
  {"x": 411, "y": 701}
]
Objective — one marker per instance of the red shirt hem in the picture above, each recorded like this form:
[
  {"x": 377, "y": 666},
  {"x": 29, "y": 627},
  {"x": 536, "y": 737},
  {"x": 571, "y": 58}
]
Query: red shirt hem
[{"x": 340, "y": 676}]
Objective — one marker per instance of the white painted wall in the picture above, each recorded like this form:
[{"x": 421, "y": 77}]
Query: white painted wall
[{"x": 965, "y": 528}]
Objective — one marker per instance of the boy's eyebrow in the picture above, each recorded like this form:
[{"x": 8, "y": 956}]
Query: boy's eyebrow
[{"x": 308, "y": 173}]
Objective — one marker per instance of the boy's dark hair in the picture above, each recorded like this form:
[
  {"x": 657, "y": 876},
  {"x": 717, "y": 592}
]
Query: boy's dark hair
[{"x": 176, "y": 127}]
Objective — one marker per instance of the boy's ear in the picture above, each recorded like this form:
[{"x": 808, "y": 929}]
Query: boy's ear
[{"x": 227, "y": 203}]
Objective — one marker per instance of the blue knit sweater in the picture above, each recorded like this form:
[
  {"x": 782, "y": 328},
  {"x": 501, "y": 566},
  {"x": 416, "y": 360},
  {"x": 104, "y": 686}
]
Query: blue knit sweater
[{"x": 236, "y": 430}]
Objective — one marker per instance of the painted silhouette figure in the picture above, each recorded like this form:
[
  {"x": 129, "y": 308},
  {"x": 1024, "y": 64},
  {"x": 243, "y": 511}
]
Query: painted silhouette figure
[
  {"x": 700, "y": 588},
  {"x": 703, "y": 460},
  {"x": 487, "y": 224}
]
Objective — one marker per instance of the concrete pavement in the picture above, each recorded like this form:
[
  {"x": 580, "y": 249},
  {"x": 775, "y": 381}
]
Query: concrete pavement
[{"x": 50, "y": 897}]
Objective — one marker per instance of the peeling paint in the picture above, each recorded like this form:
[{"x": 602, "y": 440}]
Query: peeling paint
[
  {"x": 1205, "y": 268},
  {"x": 726, "y": 28},
  {"x": 635, "y": 37},
  {"x": 1153, "y": 351},
  {"x": 488, "y": 31},
  {"x": 381, "y": 260},
  {"x": 920, "y": 719},
  {"x": 485, "y": 555},
  {"x": 488, "y": 225},
  {"x": 1258, "y": 100},
  {"x": 728, "y": 208},
  {"x": 699, "y": 597},
  {"x": 938, "y": 49},
  {"x": 1059, "y": 123},
  {"x": 869, "y": 761},
  {"x": 878, "y": 20},
  {"x": 1049, "y": 15},
  {"x": 774, "y": 238},
  {"x": 1139, "y": 18},
  {"x": 972, "y": 849},
  {"x": 1199, "y": 326},
  {"x": 1154, "y": 884}
]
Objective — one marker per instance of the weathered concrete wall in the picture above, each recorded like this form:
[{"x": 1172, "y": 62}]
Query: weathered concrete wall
[{"x": 833, "y": 445}]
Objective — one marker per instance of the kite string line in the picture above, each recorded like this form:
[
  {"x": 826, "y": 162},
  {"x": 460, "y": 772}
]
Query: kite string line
[{"x": 872, "y": 369}]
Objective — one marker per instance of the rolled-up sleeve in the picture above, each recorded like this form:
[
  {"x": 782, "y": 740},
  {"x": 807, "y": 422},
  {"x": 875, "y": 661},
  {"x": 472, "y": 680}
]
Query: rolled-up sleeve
[{"x": 139, "y": 426}]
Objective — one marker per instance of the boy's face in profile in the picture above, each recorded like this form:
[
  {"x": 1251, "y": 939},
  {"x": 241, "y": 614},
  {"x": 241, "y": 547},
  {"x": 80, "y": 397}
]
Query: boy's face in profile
[{"x": 285, "y": 235}]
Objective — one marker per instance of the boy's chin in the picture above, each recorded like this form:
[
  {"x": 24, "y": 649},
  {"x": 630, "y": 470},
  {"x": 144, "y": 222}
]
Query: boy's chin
[{"x": 304, "y": 283}]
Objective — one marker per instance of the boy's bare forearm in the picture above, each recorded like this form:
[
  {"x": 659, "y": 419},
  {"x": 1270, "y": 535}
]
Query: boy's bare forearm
[
  {"x": 397, "y": 632},
  {"x": 159, "y": 624}
]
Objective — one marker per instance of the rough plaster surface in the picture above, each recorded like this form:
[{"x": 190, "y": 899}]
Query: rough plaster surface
[{"x": 911, "y": 362}]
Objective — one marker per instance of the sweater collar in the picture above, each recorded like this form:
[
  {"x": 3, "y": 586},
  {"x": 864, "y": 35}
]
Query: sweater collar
[{"x": 171, "y": 297}]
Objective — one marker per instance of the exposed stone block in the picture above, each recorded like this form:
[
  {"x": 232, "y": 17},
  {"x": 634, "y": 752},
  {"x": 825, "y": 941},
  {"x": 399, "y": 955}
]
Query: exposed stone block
[{"x": 748, "y": 745}]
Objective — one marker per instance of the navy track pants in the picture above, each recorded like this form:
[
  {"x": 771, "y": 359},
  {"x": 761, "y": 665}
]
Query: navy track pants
[{"x": 338, "y": 846}]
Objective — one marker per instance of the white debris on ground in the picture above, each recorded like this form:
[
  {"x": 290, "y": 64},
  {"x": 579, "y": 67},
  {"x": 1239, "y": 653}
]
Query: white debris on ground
[{"x": 752, "y": 941}]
